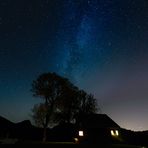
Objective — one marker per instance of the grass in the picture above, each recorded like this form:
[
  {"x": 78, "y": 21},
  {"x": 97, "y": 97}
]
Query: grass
[
  {"x": 15, "y": 141},
  {"x": 81, "y": 145}
]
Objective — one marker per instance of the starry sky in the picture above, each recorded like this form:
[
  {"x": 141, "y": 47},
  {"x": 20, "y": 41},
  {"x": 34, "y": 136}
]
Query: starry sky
[{"x": 100, "y": 45}]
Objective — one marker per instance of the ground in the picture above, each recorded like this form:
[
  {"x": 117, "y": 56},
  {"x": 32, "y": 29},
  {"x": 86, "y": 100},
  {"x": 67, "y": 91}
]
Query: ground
[{"x": 22, "y": 142}]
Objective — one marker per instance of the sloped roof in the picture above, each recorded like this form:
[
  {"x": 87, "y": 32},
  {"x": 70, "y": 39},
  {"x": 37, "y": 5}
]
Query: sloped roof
[{"x": 97, "y": 121}]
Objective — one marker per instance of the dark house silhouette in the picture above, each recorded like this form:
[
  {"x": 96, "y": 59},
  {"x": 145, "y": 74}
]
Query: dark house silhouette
[
  {"x": 89, "y": 128},
  {"x": 97, "y": 128}
]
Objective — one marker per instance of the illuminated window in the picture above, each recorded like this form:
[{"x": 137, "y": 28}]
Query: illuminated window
[
  {"x": 117, "y": 133},
  {"x": 81, "y": 133},
  {"x": 114, "y": 133}
]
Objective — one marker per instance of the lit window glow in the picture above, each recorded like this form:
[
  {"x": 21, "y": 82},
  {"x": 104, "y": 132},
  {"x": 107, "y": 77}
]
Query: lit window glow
[
  {"x": 114, "y": 133},
  {"x": 117, "y": 133},
  {"x": 81, "y": 133}
]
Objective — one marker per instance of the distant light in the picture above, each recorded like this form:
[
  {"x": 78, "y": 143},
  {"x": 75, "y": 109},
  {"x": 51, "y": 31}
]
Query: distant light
[
  {"x": 81, "y": 133},
  {"x": 76, "y": 140}
]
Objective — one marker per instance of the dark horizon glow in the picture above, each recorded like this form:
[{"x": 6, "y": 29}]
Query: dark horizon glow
[{"x": 100, "y": 45}]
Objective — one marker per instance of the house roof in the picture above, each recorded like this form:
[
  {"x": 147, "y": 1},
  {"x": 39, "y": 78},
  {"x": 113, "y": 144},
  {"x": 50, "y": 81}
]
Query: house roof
[{"x": 97, "y": 121}]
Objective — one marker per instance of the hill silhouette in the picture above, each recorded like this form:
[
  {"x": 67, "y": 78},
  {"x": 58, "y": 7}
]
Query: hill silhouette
[
  {"x": 24, "y": 124},
  {"x": 4, "y": 123},
  {"x": 20, "y": 130}
]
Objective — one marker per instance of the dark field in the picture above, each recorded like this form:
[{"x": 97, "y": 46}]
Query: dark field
[{"x": 65, "y": 144}]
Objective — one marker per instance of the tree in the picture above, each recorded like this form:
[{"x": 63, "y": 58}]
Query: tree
[
  {"x": 51, "y": 88},
  {"x": 87, "y": 103},
  {"x": 75, "y": 104},
  {"x": 67, "y": 106},
  {"x": 39, "y": 114},
  {"x": 62, "y": 101}
]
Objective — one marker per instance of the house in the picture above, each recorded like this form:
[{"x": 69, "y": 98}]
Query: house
[{"x": 97, "y": 128}]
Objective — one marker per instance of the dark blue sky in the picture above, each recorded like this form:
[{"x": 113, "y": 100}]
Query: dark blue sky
[{"x": 100, "y": 45}]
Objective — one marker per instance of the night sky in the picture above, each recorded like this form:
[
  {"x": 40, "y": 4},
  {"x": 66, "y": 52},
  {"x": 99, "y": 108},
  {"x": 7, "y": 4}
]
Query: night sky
[{"x": 100, "y": 45}]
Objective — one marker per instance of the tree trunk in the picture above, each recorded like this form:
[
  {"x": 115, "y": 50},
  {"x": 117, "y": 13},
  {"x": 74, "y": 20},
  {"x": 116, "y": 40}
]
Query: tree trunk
[
  {"x": 46, "y": 122},
  {"x": 45, "y": 134},
  {"x": 45, "y": 128},
  {"x": 48, "y": 116}
]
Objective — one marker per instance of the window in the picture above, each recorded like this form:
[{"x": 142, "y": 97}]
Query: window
[
  {"x": 117, "y": 132},
  {"x": 81, "y": 133},
  {"x": 114, "y": 132}
]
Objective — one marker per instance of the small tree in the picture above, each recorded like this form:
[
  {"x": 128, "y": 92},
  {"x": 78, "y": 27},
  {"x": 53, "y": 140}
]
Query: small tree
[
  {"x": 87, "y": 103},
  {"x": 76, "y": 103},
  {"x": 67, "y": 106},
  {"x": 39, "y": 114}
]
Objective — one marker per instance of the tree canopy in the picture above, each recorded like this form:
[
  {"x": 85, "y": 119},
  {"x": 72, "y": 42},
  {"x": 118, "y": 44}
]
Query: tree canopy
[{"x": 63, "y": 101}]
